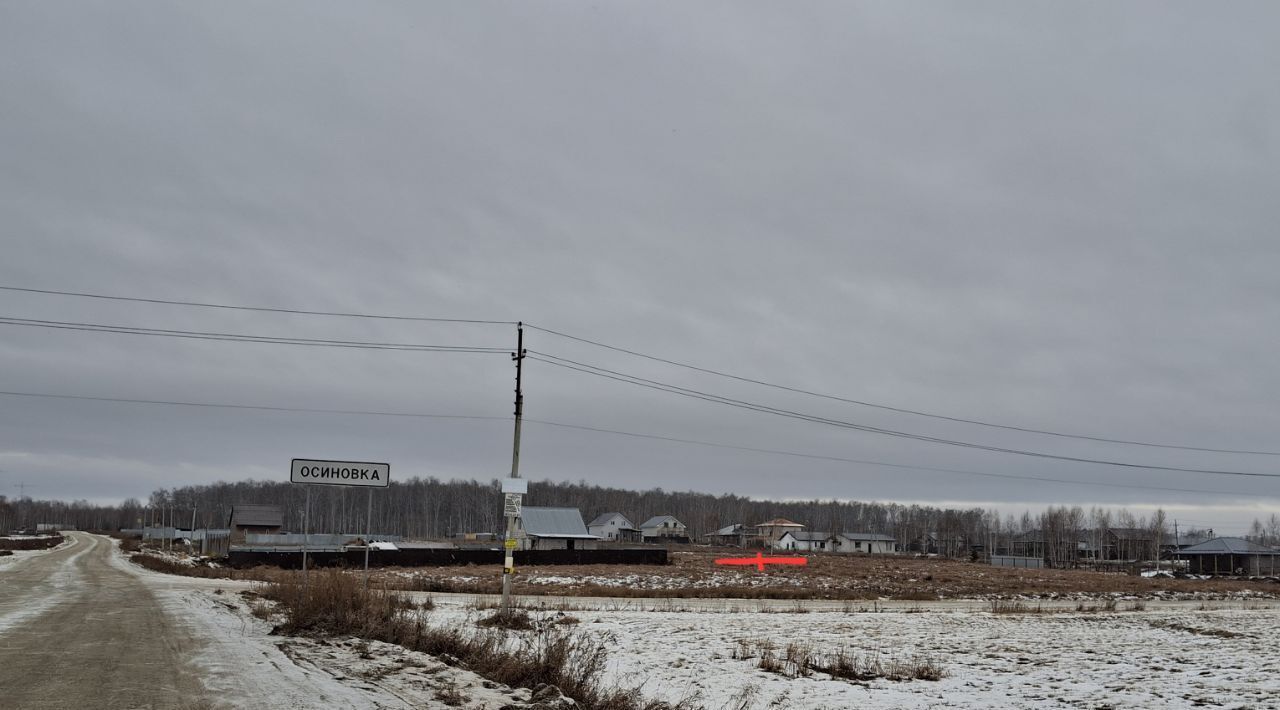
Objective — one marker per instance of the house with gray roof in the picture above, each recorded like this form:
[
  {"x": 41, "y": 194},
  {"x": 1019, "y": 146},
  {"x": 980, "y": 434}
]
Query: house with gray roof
[
  {"x": 845, "y": 543},
  {"x": 1230, "y": 556},
  {"x": 614, "y": 527},
  {"x": 553, "y": 529},
  {"x": 864, "y": 543},
  {"x": 664, "y": 528},
  {"x": 804, "y": 541}
]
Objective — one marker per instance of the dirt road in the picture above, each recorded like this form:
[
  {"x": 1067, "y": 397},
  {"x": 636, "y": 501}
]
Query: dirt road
[
  {"x": 78, "y": 632},
  {"x": 81, "y": 627}
]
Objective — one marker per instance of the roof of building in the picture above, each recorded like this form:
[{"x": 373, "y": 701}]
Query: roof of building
[
  {"x": 779, "y": 523},
  {"x": 657, "y": 520},
  {"x": 1131, "y": 533},
  {"x": 606, "y": 517},
  {"x": 735, "y": 529},
  {"x": 807, "y": 536},
  {"x": 553, "y": 522},
  {"x": 258, "y": 516},
  {"x": 877, "y": 537},
  {"x": 1228, "y": 546}
]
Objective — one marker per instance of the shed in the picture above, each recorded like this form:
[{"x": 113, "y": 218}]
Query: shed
[
  {"x": 1230, "y": 556},
  {"x": 554, "y": 529},
  {"x": 735, "y": 534},
  {"x": 259, "y": 519}
]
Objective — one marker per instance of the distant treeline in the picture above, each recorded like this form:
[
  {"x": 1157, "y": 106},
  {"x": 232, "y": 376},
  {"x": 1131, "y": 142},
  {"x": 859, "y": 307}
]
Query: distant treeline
[{"x": 431, "y": 508}]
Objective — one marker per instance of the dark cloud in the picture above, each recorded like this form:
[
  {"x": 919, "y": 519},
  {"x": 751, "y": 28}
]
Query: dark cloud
[{"x": 1048, "y": 215}]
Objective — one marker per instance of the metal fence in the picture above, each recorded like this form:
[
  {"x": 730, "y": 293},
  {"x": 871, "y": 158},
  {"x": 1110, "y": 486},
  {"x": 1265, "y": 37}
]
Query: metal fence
[
  {"x": 314, "y": 539},
  {"x": 1012, "y": 561},
  {"x": 445, "y": 557}
]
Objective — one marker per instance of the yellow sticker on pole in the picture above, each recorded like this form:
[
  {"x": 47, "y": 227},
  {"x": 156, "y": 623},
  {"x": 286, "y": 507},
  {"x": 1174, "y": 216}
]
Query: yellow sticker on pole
[{"x": 509, "y": 544}]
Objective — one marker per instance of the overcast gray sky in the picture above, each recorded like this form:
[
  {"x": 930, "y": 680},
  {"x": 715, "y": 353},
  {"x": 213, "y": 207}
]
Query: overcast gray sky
[{"x": 1059, "y": 216}]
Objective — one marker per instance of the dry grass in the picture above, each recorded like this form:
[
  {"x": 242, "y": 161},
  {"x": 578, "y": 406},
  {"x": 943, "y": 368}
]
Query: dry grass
[
  {"x": 1001, "y": 606},
  {"x": 337, "y": 603},
  {"x": 871, "y": 665},
  {"x": 800, "y": 660},
  {"x": 1175, "y": 626},
  {"x": 514, "y": 619}
]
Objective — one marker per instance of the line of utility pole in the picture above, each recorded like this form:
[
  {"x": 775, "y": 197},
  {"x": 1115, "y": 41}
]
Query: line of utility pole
[{"x": 509, "y": 541}]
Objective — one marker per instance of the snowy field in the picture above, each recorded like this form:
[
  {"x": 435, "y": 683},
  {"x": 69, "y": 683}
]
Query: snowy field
[
  {"x": 1146, "y": 653},
  {"x": 1170, "y": 657}
]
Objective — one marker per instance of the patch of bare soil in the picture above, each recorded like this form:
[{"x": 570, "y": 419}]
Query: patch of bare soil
[{"x": 694, "y": 574}]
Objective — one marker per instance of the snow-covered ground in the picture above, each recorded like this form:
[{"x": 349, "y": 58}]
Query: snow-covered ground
[
  {"x": 243, "y": 665},
  {"x": 1165, "y": 653},
  {"x": 1167, "y": 657}
]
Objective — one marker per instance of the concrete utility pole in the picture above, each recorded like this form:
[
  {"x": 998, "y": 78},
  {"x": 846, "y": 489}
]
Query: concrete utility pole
[
  {"x": 509, "y": 542},
  {"x": 368, "y": 532}
]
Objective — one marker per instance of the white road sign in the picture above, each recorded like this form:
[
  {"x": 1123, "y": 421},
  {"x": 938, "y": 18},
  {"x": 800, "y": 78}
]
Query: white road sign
[
  {"x": 512, "y": 505},
  {"x": 361, "y": 474}
]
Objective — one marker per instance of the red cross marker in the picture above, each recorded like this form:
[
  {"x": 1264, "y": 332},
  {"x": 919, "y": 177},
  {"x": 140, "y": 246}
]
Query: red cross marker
[{"x": 759, "y": 561}]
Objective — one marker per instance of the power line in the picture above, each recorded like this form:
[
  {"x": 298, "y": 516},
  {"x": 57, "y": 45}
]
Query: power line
[
  {"x": 655, "y": 358},
  {"x": 600, "y": 430},
  {"x": 256, "y": 407},
  {"x": 885, "y": 407},
  {"x": 822, "y": 457},
  {"x": 264, "y": 309},
  {"x": 752, "y": 406},
  {"x": 240, "y": 337}
]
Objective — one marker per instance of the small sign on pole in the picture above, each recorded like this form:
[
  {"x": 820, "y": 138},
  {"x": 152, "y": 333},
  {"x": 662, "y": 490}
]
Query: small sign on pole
[
  {"x": 511, "y": 505},
  {"x": 509, "y": 544}
]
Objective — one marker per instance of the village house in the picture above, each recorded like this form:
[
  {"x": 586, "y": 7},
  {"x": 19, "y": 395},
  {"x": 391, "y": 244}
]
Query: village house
[
  {"x": 864, "y": 543},
  {"x": 1059, "y": 553},
  {"x": 1231, "y": 556},
  {"x": 553, "y": 529},
  {"x": 1130, "y": 544},
  {"x": 663, "y": 528},
  {"x": 770, "y": 532},
  {"x": 255, "y": 519},
  {"x": 802, "y": 541},
  {"x": 614, "y": 527}
]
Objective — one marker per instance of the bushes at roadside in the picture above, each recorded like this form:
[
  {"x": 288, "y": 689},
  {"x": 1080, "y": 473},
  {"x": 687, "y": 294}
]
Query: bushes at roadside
[
  {"x": 31, "y": 543},
  {"x": 337, "y": 603}
]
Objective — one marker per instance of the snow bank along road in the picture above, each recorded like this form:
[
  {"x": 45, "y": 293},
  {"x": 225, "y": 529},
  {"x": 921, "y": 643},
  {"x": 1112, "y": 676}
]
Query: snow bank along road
[{"x": 80, "y": 627}]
